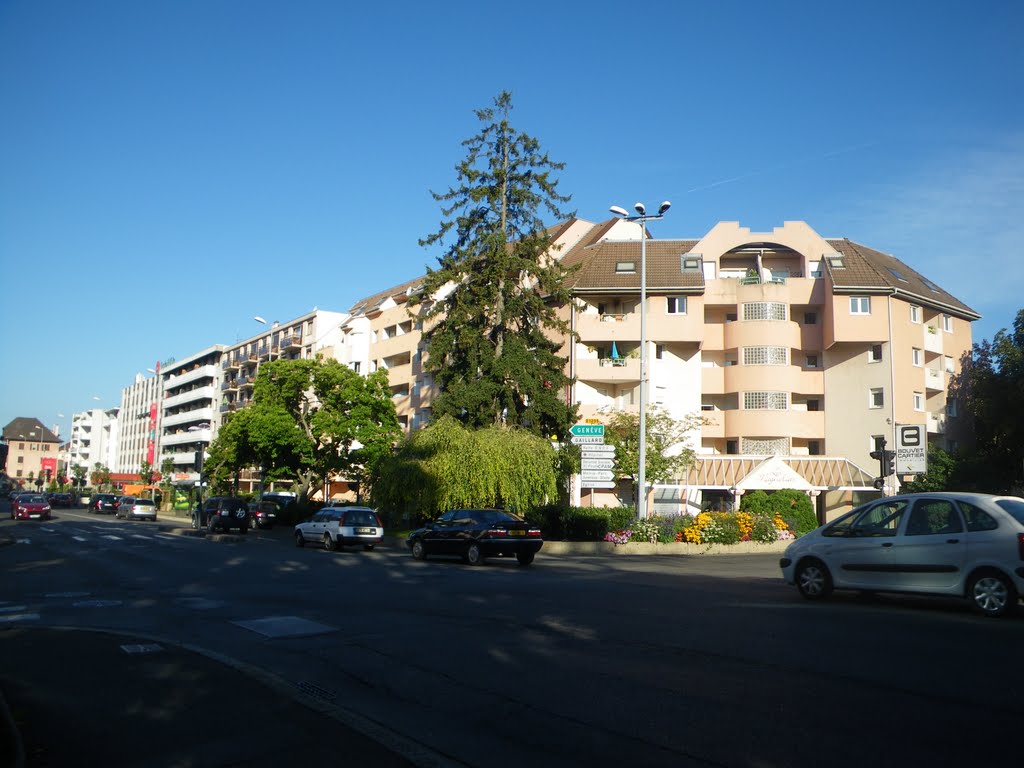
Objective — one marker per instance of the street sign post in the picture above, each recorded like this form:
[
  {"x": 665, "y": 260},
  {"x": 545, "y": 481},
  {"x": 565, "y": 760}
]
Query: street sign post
[
  {"x": 587, "y": 440},
  {"x": 598, "y": 451},
  {"x": 587, "y": 430},
  {"x": 600, "y": 475},
  {"x": 602, "y": 463},
  {"x": 597, "y": 484}
]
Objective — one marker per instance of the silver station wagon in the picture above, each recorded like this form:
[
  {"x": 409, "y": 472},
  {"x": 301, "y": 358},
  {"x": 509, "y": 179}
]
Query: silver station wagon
[{"x": 961, "y": 544}]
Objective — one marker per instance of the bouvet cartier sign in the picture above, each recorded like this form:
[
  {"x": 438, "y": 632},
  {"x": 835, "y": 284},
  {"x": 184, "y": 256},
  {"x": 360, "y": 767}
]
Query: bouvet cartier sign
[{"x": 911, "y": 449}]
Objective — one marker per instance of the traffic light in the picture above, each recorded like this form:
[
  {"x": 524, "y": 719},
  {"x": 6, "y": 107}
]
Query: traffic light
[{"x": 888, "y": 463}]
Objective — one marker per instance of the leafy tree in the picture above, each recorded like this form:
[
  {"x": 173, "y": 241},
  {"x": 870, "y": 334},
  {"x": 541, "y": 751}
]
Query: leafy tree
[
  {"x": 101, "y": 476},
  {"x": 79, "y": 472},
  {"x": 991, "y": 389},
  {"x": 146, "y": 472},
  {"x": 490, "y": 344},
  {"x": 447, "y": 466},
  {"x": 942, "y": 469},
  {"x": 309, "y": 420},
  {"x": 663, "y": 462}
]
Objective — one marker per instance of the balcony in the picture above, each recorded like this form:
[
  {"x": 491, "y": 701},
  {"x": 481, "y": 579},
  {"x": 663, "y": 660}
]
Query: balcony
[
  {"x": 229, "y": 385},
  {"x": 934, "y": 379},
  {"x": 291, "y": 341},
  {"x": 185, "y": 437},
  {"x": 188, "y": 417},
  {"x": 609, "y": 371},
  {"x": 245, "y": 382},
  {"x": 191, "y": 396},
  {"x": 228, "y": 407},
  {"x": 932, "y": 339},
  {"x": 936, "y": 423},
  {"x": 230, "y": 364},
  {"x": 789, "y": 423},
  {"x": 197, "y": 373}
]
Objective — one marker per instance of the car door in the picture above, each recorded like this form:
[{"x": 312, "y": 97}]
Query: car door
[
  {"x": 314, "y": 529},
  {"x": 930, "y": 551},
  {"x": 438, "y": 537},
  {"x": 863, "y": 558}
]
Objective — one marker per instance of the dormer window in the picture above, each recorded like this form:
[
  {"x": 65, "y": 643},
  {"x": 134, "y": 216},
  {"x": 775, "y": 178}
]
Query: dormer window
[
  {"x": 625, "y": 267},
  {"x": 691, "y": 264}
]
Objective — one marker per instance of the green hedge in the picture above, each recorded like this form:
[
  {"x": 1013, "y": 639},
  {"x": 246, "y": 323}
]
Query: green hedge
[{"x": 559, "y": 523}]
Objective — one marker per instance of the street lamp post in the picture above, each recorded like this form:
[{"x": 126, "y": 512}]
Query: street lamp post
[{"x": 643, "y": 217}]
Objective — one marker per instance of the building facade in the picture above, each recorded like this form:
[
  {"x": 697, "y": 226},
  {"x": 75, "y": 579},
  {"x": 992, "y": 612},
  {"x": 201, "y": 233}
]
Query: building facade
[
  {"x": 801, "y": 353},
  {"x": 32, "y": 452},
  {"x": 139, "y": 423},
  {"x": 94, "y": 440},
  {"x": 189, "y": 413}
]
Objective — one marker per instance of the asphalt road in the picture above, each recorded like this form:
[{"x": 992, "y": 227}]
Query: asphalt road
[{"x": 648, "y": 660}]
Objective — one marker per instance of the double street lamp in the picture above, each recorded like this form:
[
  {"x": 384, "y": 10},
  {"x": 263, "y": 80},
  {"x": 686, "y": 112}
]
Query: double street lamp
[{"x": 642, "y": 217}]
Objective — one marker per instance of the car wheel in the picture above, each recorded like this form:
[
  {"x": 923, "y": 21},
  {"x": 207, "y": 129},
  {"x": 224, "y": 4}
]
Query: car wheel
[
  {"x": 473, "y": 554},
  {"x": 813, "y": 580},
  {"x": 991, "y": 593},
  {"x": 329, "y": 544},
  {"x": 212, "y": 527},
  {"x": 300, "y": 540},
  {"x": 524, "y": 558},
  {"x": 419, "y": 552}
]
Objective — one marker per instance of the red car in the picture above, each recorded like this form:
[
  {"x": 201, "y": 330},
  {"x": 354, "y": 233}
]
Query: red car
[{"x": 30, "y": 507}]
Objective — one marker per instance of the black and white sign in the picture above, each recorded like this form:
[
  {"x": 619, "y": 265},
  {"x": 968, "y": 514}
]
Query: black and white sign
[{"x": 911, "y": 449}]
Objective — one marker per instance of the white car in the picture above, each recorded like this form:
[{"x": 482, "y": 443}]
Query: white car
[
  {"x": 963, "y": 544},
  {"x": 337, "y": 527}
]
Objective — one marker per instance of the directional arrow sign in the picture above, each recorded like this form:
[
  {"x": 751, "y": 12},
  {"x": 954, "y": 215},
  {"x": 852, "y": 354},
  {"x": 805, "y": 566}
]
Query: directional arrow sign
[
  {"x": 594, "y": 430},
  {"x": 587, "y": 440},
  {"x": 597, "y": 484},
  {"x": 601, "y": 451},
  {"x": 601, "y": 463},
  {"x": 596, "y": 474}
]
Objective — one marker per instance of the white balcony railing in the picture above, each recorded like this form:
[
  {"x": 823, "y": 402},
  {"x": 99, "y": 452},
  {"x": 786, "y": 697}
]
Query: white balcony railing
[
  {"x": 184, "y": 437},
  {"x": 188, "y": 417},
  {"x": 201, "y": 393}
]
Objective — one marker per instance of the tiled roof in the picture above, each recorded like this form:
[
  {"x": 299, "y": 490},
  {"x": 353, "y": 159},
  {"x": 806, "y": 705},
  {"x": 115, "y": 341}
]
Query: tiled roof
[
  {"x": 371, "y": 302},
  {"x": 598, "y": 260},
  {"x": 868, "y": 269},
  {"x": 20, "y": 427}
]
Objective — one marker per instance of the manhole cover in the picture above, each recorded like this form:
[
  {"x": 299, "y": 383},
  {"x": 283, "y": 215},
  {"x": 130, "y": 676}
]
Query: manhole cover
[
  {"x": 96, "y": 603},
  {"x": 285, "y": 626}
]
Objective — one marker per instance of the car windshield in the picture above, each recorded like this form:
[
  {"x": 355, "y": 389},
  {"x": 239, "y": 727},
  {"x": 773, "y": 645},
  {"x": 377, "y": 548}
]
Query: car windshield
[
  {"x": 1015, "y": 507},
  {"x": 144, "y": 502},
  {"x": 35, "y": 500}
]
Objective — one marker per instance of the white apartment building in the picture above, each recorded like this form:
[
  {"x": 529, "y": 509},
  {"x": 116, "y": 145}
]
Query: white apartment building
[
  {"x": 139, "y": 423},
  {"x": 94, "y": 439},
  {"x": 189, "y": 416}
]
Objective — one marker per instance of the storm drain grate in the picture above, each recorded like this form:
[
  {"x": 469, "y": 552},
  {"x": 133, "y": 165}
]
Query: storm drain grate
[
  {"x": 314, "y": 690},
  {"x": 142, "y": 648}
]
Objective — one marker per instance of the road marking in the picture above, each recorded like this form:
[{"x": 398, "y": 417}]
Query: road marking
[
  {"x": 96, "y": 603},
  {"x": 12, "y": 608},
  {"x": 79, "y": 538},
  {"x": 142, "y": 648},
  {"x": 19, "y": 617}
]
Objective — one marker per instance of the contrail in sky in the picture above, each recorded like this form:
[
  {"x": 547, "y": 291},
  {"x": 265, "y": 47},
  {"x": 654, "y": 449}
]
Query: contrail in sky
[{"x": 773, "y": 169}]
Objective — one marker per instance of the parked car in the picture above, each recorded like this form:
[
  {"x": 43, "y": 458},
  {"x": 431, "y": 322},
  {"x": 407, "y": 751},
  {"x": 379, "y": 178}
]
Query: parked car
[
  {"x": 30, "y": 506},
  {"x": 84, "y": 498},
  {"x": 338, "y": 527},
  {"x": 136, "y": 508},
  {"x": 962, "y": 544},
  {"x": 474, "y": 534},
  {"x": 103, "y": 503},
  {"x": 62, "y": 500},
  {"x": 222, "y": 513},
  {"x": 263, "y": 513}
]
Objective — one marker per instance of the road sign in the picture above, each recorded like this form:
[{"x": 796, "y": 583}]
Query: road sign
[
  {"x": 588, "y": 440},
  {"x": 602, "y": 463},
  {"x": 592, "y": 430},
  {"x": 597, "y": 484},
  {"x": 911, "y": 449},
  {"x": 601, "y": 451},
  {"x": 596, "y": 474}
]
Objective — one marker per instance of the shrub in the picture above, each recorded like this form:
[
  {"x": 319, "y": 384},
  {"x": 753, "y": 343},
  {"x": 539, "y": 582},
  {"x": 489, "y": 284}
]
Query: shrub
[
  {"x": 587, "y": 524},
  {"x": 755, "y": 502},
  {"x": 621, "y": 518},
  {"x": 796, "y": 509}
]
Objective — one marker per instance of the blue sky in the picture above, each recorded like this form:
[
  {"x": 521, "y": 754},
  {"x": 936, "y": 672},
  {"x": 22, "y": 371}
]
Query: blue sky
[{"x": 170, "y": 169}]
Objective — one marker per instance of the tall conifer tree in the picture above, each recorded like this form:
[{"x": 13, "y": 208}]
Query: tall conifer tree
[{"x": 495, "y": 338}]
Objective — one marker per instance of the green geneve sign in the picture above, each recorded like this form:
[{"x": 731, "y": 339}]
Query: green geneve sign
[{"x": 587, "y": 430}]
